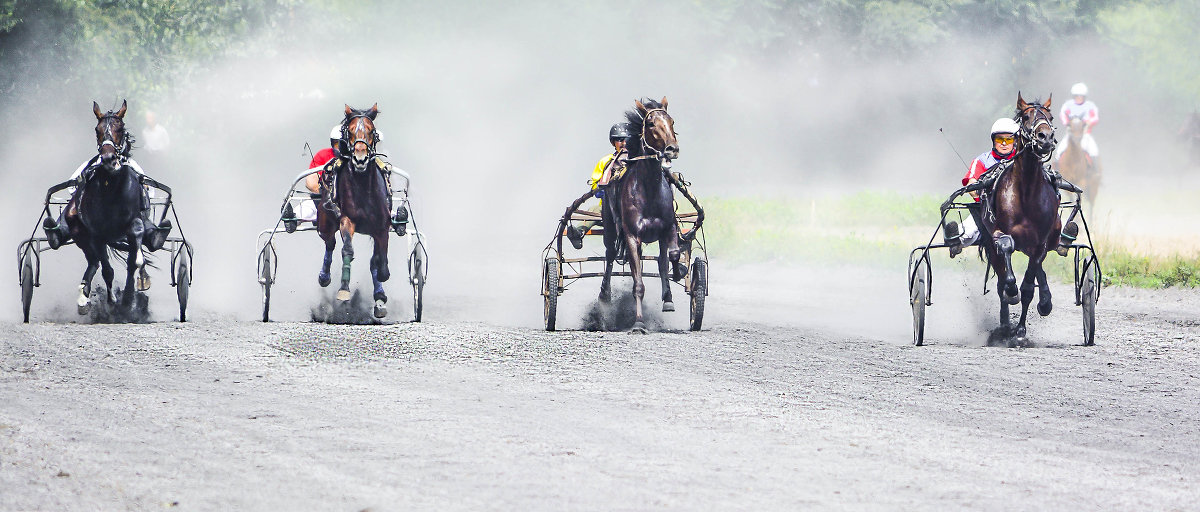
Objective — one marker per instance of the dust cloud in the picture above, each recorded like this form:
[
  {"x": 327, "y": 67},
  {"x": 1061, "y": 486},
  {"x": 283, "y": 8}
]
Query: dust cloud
[{"x": 499, "y": 112}]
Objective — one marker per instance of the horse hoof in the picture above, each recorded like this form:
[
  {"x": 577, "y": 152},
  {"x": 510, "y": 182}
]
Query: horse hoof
[
  {"x": 323, "y": 279},
  {"x": 380, "y": 309},
  {"x": 638, "y": 328},
  {"x": 83, "y": 308},
  {"x": 668, "y": 307},
  {"x": 143, "y": 281},
  {"x": 1044, "y": 309},
  {"x": 343, "y": 295}
]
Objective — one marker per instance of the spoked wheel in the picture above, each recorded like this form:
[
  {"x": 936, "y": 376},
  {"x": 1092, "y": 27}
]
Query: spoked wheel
[
  {"x": 265, "y": 280},
  {"x": 1089, "y": 290},
  {"x": 699, "y": 290},
  {"x": 418, "y": 283},
  {"x": 918, "y": 297},
  {"x": 26, "y": 284},
  {"x": 183, "y": 281},
  {"x": 551, "y": 270}
]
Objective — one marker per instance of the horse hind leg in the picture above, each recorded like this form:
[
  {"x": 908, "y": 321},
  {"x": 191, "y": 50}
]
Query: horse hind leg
[
  {"x": 379, "y": 274},
  {"x": 323, "y": 277},
  {"x": 83, "y": 303},
  {"x": 1027, "y": 290},
  {"x": 1045, "y": 303},
  {"x": 663, "y": 261},
  {"x": 610, "y": 256}
]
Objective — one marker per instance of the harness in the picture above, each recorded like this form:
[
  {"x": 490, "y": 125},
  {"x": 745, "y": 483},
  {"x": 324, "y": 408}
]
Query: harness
[
  {"x": 348, "y": 145},
  {"x": 651, "y": 152}
]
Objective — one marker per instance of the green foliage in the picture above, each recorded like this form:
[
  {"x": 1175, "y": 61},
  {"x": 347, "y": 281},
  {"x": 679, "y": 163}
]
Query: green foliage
[{"x": 1161, "y": 38}]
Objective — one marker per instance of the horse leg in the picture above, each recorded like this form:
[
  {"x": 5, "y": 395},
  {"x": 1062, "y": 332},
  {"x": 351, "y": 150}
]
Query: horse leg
[
  {"x": 610, "y": 255},
  {"x": 106, "y": 270},
  {"x": 1027, "y": 291},
  {"x": 1007, "y": 286},
  {"x": 347, "y": 231},
  {"x": 85, "y": 286},
  {"x": 1045, "y": 306},
  {"x": 663, "y": 261},
  {"x": 639, "y": 288},
  {"x": 323, "y": 278},
  {"x": 379, "y": 273},
  {"x": 134, "y": 239}
]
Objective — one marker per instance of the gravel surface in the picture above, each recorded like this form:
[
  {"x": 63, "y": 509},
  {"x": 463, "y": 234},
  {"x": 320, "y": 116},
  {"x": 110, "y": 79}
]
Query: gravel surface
[{"x": 804, "y": 393}]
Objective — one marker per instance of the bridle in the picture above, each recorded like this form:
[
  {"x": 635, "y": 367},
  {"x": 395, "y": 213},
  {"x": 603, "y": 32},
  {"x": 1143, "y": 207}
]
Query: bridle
[
  {"x": 652, "y": 152},
  {"x": 374, "y": 138},
  {"x": 107, "y": 138},
  {"x": 1041, "y": 116}
]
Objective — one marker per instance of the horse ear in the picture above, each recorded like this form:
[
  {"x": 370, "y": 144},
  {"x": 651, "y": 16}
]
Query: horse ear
[
  {"x": 121, "y": 113},
  {"x": 1048, "y": 98},
  {"x": 664, "y": 102},
  {"x": 1021, "y": 101},
  {"x": 641, "y": 108},
  {"x": 373, "y": 112},
  {"x": 96, "y": 110},
  {"x": 349, "y": 110}
]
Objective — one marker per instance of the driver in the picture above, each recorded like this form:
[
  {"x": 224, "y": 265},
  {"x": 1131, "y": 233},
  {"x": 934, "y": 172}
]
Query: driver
[
  {"x": 308, "y": 207},
  {"x": 602, "y": 173},
  {"x": 1085, "y": 110},
  {"x": 1003, "y": 140}
]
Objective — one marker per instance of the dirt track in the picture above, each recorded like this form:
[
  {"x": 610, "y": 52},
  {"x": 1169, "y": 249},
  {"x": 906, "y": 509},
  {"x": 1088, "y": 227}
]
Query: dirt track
[{"x": 787, "y": 402}]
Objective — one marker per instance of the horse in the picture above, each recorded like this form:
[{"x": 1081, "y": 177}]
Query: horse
[
  {"x": 641, "y": 205},
  {"x": 109, "y": 210},
  {"x": 361, "y": 204},
  {"x": 1024, "y": 216},
  {"x": 1076, "y": 166}
]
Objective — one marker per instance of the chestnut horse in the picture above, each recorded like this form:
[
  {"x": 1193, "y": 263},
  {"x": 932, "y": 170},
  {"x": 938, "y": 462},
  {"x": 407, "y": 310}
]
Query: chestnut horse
[
  {"x": 1023, "y": 214},
  {"x": 641, "y": 205},
  {"x": 1076, "y": 166},
  {"x": 361, "y": 204}
]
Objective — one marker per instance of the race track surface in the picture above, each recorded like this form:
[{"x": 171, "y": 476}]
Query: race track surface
[{"x": 762, "y": 411}]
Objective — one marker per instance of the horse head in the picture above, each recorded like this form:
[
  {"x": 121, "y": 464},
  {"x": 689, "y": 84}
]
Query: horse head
[
  {"x": 112, "y": 141},
  {"x": 1076, "y": 128},
  {"x": 658, "y": 130},
  {"x": 1037, "y": 126},
  {"x": 359, "y": 136}
]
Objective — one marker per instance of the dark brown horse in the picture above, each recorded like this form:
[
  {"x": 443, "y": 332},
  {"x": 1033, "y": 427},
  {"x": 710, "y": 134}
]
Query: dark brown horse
[
  {"x": 1024, "y": 214},
  {"x": 641, "y": 205},
  {"x": 360, "y": 204},
  {"x": 1076, "y": 166},
  {"x": 108, "y": 210}
]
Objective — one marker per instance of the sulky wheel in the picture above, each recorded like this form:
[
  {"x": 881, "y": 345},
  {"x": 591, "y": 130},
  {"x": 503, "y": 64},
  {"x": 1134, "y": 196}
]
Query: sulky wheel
[
  {"x": 699, "y": 290},
  {"x": 918, "y": 297},
  {"x": 183, "y": 281},
  {"x": 551, "y": 268},
  {"x": 26, "y": 284},
  {"x": 1087, "y": 295},
  {"x": 418, "y": 284},
  {"x": 265, "y": 280}
]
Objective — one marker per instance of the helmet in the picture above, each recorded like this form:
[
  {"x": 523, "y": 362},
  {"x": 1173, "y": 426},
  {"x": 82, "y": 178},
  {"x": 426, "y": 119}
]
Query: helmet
[
  {"x": 618, "y": 131},
  {"x": 1005, "y": 125},
  {"x": 1079, "y": 89},
  {"x": 335, "y": 134}
]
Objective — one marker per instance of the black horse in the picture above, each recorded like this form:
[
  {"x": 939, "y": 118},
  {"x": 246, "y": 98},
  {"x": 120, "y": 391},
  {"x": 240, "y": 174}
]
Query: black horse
[
  {"x": 641, "y": 205},
  {"x": 1024, "y": 214},
  {"x": 109, "y": 210},
  {"x": 360, "y": 204}
]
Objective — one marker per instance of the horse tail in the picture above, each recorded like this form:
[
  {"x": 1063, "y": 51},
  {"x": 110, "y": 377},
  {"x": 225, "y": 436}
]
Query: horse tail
[{"x": 119, "y": 250}]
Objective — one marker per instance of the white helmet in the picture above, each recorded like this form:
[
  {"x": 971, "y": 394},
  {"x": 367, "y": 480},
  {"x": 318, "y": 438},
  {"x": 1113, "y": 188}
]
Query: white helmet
[
  {"x": 336, "y": 132},
  {"x": 1079, "y": 89},
  {"x": 1005, "y": 125}
]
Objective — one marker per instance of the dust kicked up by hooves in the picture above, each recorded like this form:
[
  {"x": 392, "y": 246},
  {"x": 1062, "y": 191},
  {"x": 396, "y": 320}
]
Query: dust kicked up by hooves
[
  {"x": 359, "y": 310},
  {"x": 618, "y": 314},
  {"x": 100, "y": 311}
]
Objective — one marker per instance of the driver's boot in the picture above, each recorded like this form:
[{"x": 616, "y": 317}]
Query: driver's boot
[
  {"x": 56, "y": 232},
  {"x": 400, "y": 220},
  {"x": 575, "y": 235},
  {"x": 953, "y": 237},
  {"x": 1069, "y": 233}
]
